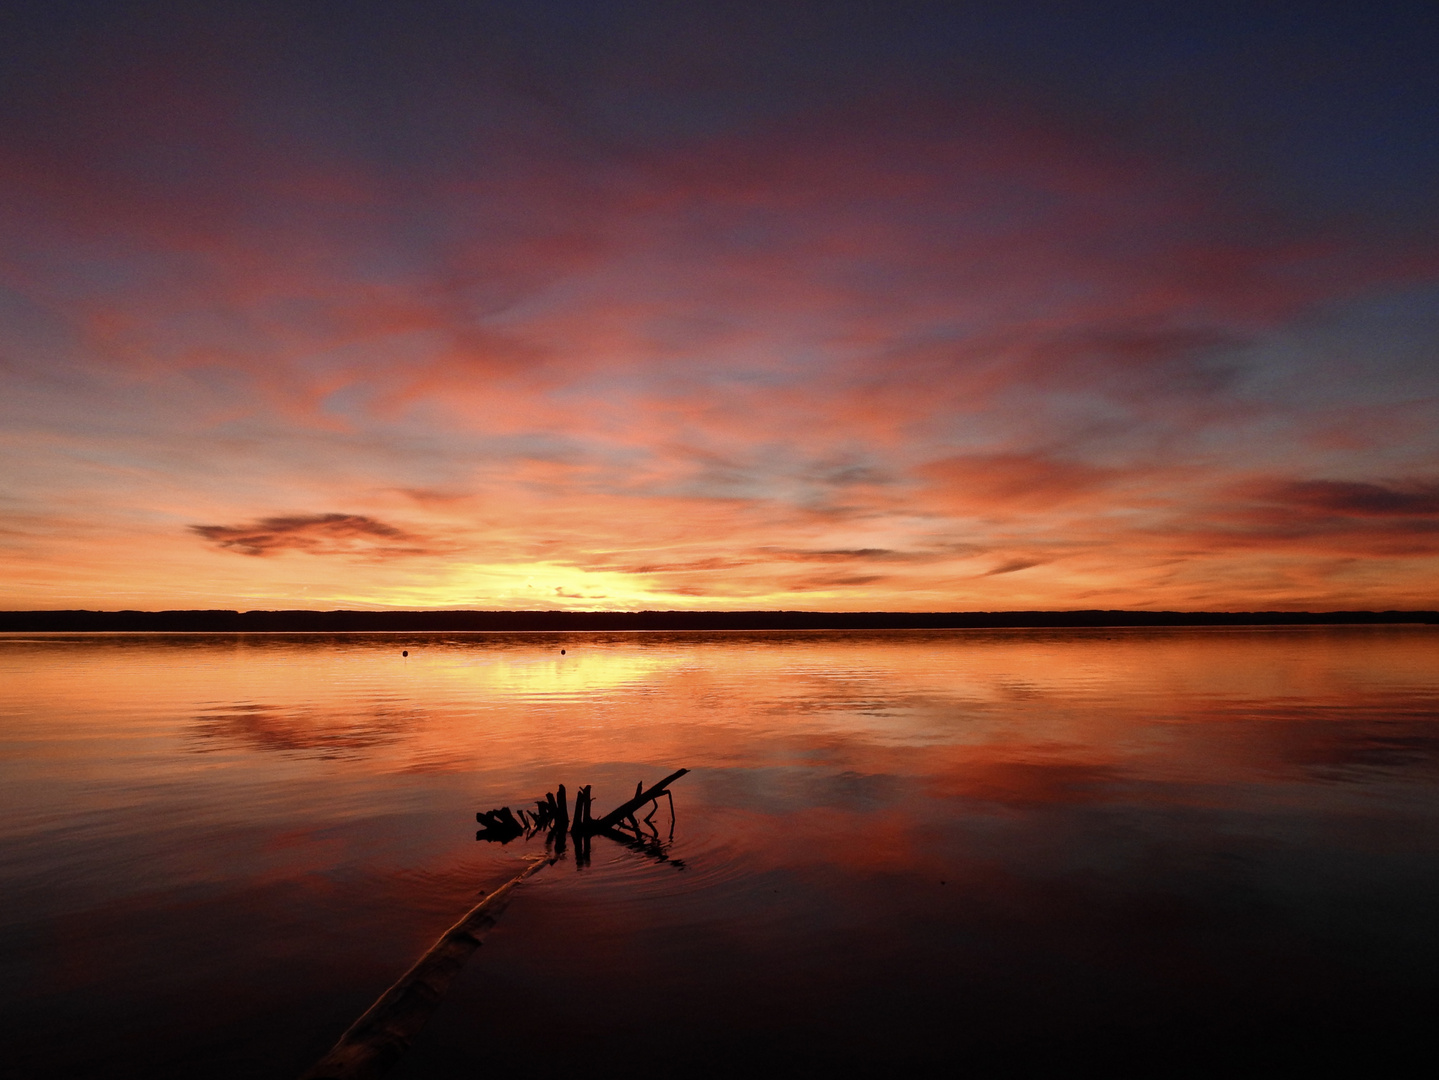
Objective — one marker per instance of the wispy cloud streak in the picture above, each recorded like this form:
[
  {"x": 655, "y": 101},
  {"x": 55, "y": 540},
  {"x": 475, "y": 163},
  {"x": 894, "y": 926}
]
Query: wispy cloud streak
[{"x": 315, "y": 534}]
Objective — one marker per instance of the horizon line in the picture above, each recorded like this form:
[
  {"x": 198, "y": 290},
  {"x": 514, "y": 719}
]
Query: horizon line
[{"x": 339, "y": 620}]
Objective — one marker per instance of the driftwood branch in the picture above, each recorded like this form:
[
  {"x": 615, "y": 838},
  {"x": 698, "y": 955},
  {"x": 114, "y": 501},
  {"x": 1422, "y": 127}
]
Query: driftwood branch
[
  {"x": 380, "y": 1037},
  {"x": 553, "y": 813},
  {"x": 615, "y": 816}
]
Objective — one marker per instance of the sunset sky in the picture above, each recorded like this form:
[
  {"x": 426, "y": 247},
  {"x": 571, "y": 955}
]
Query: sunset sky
[{"x": 882, "y": 306}]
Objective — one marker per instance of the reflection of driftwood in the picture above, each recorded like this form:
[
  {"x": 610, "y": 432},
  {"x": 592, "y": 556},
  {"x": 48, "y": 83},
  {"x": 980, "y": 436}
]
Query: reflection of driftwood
[
  {"x": 651, "y": 847},
  {"x": 378, "y": 1039}
]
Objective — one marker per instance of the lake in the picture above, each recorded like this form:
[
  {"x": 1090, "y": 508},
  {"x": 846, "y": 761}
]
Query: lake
[{"x": 1147, "y": 852}]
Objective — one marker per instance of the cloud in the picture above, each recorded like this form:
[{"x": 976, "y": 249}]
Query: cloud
[
  {"x": 690, "y": 566},
  {"x": 1013, "y": 566},
  {"x": 1323, "y": 518},
  {"x": 833, "y": 581},
  {"x": 840, "y": 555},
  {"x": 1018, "y": 483},
  {"x": 1415, "y": 498},
  {"x": 316, "y": 534},
  {"x": 434, "y": 497}
]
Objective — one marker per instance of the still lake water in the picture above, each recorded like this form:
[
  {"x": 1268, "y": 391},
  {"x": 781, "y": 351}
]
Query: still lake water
[{"x": 1157, "y": 852}]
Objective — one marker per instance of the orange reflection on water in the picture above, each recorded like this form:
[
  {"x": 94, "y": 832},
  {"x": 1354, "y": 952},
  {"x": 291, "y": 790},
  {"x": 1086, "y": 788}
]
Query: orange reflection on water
[
  {"x": 1215, "y": 705},
  {"x": 1045, "y": 828}
]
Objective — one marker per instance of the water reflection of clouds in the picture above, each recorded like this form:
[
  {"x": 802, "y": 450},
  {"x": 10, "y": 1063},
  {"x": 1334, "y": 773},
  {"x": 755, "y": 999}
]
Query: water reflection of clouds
[
  {"x": 956, "y": 713},
  {"x": 302, "y": 729},
  {"x": 1020, "y": 783},
  {"x": 782, "y": 790},
  {"x": 1361, "y": 750}
]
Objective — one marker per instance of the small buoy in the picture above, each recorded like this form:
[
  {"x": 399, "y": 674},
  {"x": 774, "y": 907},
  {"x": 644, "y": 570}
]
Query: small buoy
[
  {"x": 562, "y": 652},
  {"x": 405, "y": 652}
]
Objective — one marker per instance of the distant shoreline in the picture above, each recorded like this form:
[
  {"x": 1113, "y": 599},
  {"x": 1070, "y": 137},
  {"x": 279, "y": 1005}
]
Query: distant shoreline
[{"x": 301, "y": 621}]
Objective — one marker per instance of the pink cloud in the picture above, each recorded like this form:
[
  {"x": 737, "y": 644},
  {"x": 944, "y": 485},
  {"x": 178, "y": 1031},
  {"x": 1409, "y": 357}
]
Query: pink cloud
[
  {"x": 1014, "y": 483},
  {"x": 317, "y": 534}
]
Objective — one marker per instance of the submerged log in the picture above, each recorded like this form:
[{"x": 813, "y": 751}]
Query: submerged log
[{"x": 381, "y": 1036}]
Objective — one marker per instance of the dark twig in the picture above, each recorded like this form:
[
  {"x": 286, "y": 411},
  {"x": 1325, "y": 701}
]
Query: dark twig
[{"x": 615, "y": 816}]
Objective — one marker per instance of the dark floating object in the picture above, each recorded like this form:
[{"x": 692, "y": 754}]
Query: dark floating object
[
  {"x": 552, "y": 814},
  {"x": 380, "y": 1037},
  {"x": 562, "y": 652},
  {"x": 499, "y": 825},
  {"x": 404, "y": 652}
]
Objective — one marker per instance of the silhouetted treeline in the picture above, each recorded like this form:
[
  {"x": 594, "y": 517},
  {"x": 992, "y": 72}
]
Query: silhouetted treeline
[{"x": 424, "y": 621}]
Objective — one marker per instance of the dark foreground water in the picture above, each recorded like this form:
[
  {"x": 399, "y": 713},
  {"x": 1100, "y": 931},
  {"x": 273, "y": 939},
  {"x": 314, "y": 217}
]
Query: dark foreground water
[{"x": 1156, "y": 852}]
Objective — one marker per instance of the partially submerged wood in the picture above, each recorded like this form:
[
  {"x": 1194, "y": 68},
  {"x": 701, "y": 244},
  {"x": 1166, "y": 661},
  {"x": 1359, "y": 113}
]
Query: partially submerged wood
[
  {"x": 499, "y": 825},
  {"x": 552, "y": 813},
  {"x": 381, "y": 1036},
  {"x": 582, "y": 813}
]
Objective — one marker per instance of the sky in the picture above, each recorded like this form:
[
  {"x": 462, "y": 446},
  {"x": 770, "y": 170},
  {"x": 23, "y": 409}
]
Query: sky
[{"x": 825, "y": 306}]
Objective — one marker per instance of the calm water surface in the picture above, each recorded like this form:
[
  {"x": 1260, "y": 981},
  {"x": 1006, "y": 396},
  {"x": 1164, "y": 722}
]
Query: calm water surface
[{"x": 1172, "y": 852}]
